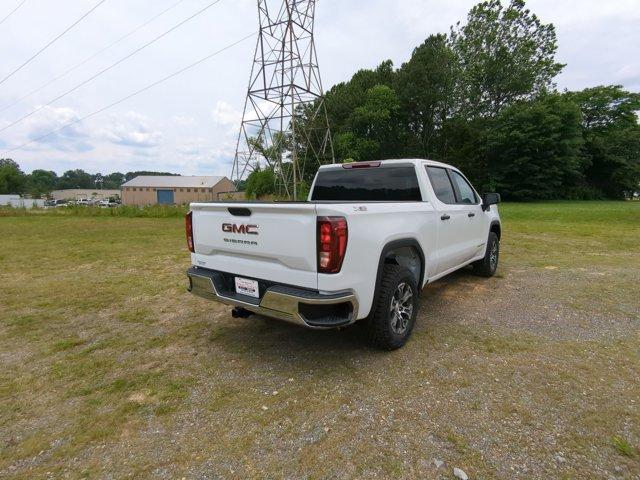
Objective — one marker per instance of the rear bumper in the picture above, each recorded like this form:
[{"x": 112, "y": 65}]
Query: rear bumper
[{"x": 302, "y": 307}]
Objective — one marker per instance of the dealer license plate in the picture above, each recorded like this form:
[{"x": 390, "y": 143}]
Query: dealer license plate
[{"x": 245, "y": 286}]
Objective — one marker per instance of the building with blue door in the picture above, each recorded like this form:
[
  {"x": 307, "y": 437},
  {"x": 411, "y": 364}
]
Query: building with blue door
[{"x": 175, "y": 190}]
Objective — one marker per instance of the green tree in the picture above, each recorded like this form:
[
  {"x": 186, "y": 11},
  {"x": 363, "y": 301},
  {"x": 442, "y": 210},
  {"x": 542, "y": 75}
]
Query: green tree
[
  {"x": 464, "y": 145},
  {"x": 624, "y": 146},
  {"x": 612, "y": 138},
  {"x": 375, "y": 125},
  {"x": 348, "y": 145},
  {"x": 607, "y": 107},
  {"x": 241, "y": 185},
  {"x": 505, "y": 54},
  {"x": 313, "y": 146},
  {"x": 618, "y": 160},
  {"x": 113, "y": 181},
  {"x": 425, "y": 91},
  {"x": 260, "y": 182},
  {"x": 273, "y": 153},
  {"x": 41, "y": 182},
  {"x": 75, "y": 179},
  {"x": 342, "y": 99},
  {"x": 12, "y": 179},
  {"x": 144, "y": 173},
  {"x": 97, "y": 180},
  {"x": 534, "y": 149}
]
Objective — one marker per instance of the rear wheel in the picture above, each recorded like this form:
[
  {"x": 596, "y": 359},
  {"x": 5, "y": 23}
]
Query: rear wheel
[
  {"x": 396, "y": 307},
  {"x": 489, "y": 264}
]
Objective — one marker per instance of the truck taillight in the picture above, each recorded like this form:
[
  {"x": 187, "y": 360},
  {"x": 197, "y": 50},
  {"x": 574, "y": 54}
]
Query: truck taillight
[
  {"x": 189, "y": 225},
  {"x": 332, "y": 243}
]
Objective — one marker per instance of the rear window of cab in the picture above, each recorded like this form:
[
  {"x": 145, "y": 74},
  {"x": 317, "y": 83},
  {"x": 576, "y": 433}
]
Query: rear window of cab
[{"x": 384, "y": 183}]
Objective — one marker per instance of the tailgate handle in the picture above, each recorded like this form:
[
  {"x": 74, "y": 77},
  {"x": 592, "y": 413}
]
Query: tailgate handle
[{"x": 239, "y": 212}]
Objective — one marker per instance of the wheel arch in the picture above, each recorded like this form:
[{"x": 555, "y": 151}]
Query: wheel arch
[
  {"x": 394, "y": 252},
  {"x": 496, "y": 228}
]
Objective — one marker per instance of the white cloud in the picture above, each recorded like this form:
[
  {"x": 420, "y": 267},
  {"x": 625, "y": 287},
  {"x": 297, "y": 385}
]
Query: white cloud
[
  {"x": 192, "y": 147},
  {"x": 225, "y": 115},
  {"x": 184, "y": 120},
  {"x": 132, "y": 130},
  {"x": 50, "y": 129}
]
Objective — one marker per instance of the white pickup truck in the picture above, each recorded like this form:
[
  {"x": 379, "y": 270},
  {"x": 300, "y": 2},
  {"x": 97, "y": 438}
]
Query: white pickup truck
[{"x": 370, "y": 236}]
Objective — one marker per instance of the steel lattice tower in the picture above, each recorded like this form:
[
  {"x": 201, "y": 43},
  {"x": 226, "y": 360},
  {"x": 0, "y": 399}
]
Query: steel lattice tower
[{"x": 284, "y": 124}]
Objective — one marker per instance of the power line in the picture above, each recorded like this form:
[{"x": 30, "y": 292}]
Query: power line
[
  {"x": 105, "y": 70},
  {"x": 13, "y": 11},
  {"x": 30, "y": 59},
  {"x": 137, "y": 92},
  {"x": 91, "y": 57}
]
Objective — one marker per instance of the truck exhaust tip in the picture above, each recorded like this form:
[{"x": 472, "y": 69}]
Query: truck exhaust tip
[{"x": 239, "y": 312}]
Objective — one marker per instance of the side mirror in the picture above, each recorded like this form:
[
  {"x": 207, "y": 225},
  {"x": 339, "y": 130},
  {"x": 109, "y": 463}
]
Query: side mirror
[{"x": 489, "y": 199}]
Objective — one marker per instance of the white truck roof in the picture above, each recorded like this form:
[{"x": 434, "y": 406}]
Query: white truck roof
[{"x": 414, "y": 161}]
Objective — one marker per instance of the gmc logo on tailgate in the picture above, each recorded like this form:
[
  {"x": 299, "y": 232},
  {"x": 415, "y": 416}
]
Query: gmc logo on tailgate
[{"x": 241, "y": 229}]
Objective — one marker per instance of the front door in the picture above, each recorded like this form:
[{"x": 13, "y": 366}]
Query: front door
[
  {"x": 476, "y": 236},
  {"x": 453, "y": 221},
  {"x": 165, "y": 197}
]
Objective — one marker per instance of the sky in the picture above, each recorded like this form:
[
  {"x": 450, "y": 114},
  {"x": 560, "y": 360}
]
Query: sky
[{"x": 189, "y": 124}]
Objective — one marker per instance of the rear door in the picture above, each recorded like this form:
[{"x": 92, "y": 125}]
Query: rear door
[
  {"x": 271, "y": 241},
  {"x": 454, "y": 222}
]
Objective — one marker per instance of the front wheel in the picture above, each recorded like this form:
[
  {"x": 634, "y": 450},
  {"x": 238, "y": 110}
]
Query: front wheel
[
  {"x": 396, "y": 307},
  {"x": 489, "y": 264}
]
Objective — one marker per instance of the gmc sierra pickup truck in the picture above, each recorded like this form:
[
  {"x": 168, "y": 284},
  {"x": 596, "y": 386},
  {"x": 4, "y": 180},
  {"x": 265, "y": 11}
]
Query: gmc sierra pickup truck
[{"x": 369, "y": 238}]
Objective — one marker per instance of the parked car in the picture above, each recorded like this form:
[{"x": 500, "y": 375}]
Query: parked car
[
  {"x": 108, "y": 204},
  {"x": 370, "y": 236},
  {"x": 55, "y": 203}
]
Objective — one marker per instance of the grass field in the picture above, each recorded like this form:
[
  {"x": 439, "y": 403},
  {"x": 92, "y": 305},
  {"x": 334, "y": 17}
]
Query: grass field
[{"x": 109, "y": 369}]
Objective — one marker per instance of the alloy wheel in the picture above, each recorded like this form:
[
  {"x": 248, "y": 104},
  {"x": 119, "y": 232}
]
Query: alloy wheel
[
  {"x": 493, "y": 256},
  {"x": 401, "y": 308}
]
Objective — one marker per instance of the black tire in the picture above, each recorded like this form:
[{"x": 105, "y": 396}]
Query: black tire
[
  {"x": 489, "y": 264},
  {"x": 389, "y": 326}
]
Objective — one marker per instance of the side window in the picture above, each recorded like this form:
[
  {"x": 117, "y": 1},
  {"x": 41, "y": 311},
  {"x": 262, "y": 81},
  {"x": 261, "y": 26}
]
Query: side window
[
  {"x": 441, "y": 185},
  {"x": 467, "y": 195}
]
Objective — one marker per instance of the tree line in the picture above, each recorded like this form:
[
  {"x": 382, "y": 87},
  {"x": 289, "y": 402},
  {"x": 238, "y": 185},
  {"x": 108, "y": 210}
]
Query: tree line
[
  {"x": 483, "y": 98},
  {"x": 41, "y": 183}
]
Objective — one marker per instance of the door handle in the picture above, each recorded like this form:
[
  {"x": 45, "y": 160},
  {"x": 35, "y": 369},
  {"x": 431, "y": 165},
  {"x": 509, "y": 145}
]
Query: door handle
[
  {"x": 445, "y": 217},
  {"x": 471, "y": 215}
]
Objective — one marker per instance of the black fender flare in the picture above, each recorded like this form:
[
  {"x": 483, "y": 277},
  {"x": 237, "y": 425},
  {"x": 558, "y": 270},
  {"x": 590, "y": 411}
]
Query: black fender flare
[
  {"x": 496, "y": 223},
  {"x": 404, "y": 242}
]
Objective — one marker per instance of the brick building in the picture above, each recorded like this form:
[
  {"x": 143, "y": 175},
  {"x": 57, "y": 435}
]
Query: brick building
[{"x": 175, "y": 190}]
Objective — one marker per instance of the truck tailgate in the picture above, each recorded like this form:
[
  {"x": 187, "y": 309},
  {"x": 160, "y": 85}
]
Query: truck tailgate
[{"x": 273, "y": 241}]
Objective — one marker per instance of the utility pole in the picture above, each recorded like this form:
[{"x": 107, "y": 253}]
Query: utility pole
[{"x": 285, "y": 126}]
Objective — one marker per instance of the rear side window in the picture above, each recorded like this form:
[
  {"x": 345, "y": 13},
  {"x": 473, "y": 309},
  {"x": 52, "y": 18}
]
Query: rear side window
[
  {"x": 391, "y": 184},
  {"x": 467, "y": 195},
  {"x": 441, "y": 185}
]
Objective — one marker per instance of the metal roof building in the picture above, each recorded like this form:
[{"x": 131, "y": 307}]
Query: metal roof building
[{"x": 175, "y": 190}]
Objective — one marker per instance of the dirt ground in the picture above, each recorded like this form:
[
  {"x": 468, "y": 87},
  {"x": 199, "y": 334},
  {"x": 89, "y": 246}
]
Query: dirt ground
[{"x": 109, "y": 369}]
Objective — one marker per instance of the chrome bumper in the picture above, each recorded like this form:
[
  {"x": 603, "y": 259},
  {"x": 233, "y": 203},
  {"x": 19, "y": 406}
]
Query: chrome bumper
[{"x": 278, "y": 301}]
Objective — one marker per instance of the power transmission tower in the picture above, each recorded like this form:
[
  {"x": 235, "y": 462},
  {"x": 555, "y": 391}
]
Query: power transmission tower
[{"x": 285, "y": 126}]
